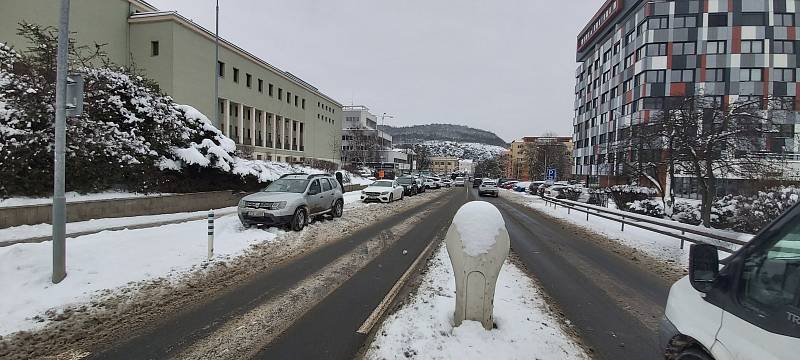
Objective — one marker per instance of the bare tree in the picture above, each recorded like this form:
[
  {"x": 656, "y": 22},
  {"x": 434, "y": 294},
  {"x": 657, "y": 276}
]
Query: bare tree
[
  {"x": 361, "y": 147},
  {"x": 705, "y": 137},
  {"x": 542, "y": 155}
]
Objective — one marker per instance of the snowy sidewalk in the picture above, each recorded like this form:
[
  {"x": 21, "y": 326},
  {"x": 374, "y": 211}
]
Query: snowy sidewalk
[{"x": 423, "y": 327}]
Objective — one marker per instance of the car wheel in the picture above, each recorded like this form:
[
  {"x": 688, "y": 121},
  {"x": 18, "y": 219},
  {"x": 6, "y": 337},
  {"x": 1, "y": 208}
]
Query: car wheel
[
  {"x": 402, "y": 195},
  {"x": 299, "y": 219},
  {"x": 391, "y": 198},
  {"x": 692, "y": 354},
  {"x": 338, "y": 209}
]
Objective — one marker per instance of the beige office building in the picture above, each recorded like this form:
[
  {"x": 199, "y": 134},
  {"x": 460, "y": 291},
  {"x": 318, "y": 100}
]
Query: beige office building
[
  {"x": 267, "y": 111},
  {"x": 444, "y": 165}
]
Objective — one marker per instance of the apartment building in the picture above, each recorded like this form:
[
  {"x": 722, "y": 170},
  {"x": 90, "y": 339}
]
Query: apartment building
[
  {"x": 634, "y": 55},
  {"x": 269, "y": 113}
]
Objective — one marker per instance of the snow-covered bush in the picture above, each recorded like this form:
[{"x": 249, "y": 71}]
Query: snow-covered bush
[
  {"x": 649, "y": 207},
  {"x": 754, "y": 212},
  {"x": 686, "y": 212},
  {"x": 625, "y": 194},
  {"x": 571, "y": 193},
  {"x": 130, "y": 136}
]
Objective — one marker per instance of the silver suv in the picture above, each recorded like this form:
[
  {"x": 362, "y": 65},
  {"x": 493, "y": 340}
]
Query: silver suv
[{"x": 292, "y": 200}]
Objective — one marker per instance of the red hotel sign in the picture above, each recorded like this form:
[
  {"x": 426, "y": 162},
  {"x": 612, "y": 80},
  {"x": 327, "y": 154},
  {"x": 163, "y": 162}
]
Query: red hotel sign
[{"x": 607, "y": 13}]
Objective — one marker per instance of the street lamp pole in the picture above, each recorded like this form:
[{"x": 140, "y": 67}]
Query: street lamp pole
[
  {"x": 59, "y": 202},
  {"x": 217, "y": 70}
]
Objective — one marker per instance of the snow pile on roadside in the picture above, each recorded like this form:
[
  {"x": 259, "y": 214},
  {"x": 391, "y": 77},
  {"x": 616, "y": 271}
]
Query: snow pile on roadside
[
  {"x": 110, "y": 260},
  {"x": 42, "y": 230},
  {"x": 423, "y": 328},
  {"x": 478, "y": 222}
]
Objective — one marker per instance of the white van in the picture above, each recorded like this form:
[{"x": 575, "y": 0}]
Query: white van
[{"x": 749, "y": 309}]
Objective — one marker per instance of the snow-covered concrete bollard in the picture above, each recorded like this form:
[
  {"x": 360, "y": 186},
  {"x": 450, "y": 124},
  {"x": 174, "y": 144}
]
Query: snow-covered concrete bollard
[
  {"x": 477, "y": 242},
  {"x": 210, "y": 234}
]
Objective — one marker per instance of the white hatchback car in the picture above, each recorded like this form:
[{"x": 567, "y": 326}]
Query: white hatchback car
[{"x": 382, "y": 191}]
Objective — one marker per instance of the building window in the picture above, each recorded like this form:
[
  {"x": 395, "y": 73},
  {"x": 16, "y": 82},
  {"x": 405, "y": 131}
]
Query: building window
[
  {"x": 655, "y": 23},
  {"x": 655, "y": 49},
  {"x": 248, "y": 80},
  {"x": 288, "y": 97},
  {"x": 260, "y": 85},
  {"x": 616, "y": 48},
  {"x": 280, "y": 94},
  {"x": 154, "y": 48},
  {"x": 296, "y": 100},
  {"x": 719, "y": 19},
  {"x": 221, "y": 68},
  {"x": 235, "y": 75},
  {"x": 684, "y": 22},
  {"x": 752, "y": 47},
  {"x": 715, "y": 47},
  {"x": 615, "y": 69},
  {"x": 628, "y": 61},
  {"x": 784, "y": 19},
  {"x": 630, "y": 37},
  {"x": 715, "y": 75},
  {"x": 750, "y": 74},
  {"x": 784, "y": 103},
  {"x": 269, "y": 89},
  {"x": 751, "y": 19},
  {"x": 641, "y": 28},
  {"x": 606, "y": 76},
  {"x": 651, "y": 77},
  {"x": 606, "y": 56},
  {"x": 783, "y": 47},
  {"x": 304, "y": 104},
  {"x": 683, "y": 48},
  {"x": 682, "y": 76},
  {"x": 627, "y": 85},
  {"x": 783, "y": 75}
]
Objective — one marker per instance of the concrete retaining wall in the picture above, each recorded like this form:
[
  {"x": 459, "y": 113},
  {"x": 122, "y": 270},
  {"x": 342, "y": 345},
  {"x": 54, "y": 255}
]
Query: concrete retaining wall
[{"x": 111, "y": 208}]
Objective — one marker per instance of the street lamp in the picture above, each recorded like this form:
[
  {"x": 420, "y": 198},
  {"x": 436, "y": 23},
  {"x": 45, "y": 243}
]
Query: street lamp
[{"x": 59, "y": 201}]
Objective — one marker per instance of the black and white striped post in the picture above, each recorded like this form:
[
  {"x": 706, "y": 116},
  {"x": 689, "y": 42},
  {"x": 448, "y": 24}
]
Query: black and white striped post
[{"x": 210, "y": 234}]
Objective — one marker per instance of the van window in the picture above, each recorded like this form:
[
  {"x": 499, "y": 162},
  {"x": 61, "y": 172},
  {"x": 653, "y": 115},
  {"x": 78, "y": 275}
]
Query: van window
[
  {"x": 771, "y": 275},
  {"x": 326, "y": 186}
]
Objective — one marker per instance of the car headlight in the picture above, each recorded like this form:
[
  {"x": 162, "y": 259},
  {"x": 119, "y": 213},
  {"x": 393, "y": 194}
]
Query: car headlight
[
  {"x": 241, "y": 203},
  {"x": 385, "y": 193},
  {"x": 278, "y": 205}
]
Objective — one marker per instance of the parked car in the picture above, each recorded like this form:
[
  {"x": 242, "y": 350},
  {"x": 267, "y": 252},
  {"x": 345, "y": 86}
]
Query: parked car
[
  {"x": 383, "y": 191},
  {"x": 459, "y": 181},
  {"x": 749, "y": 309},
  {"x": 521, "y": 186},
  {"x": 555, "y": 191},
  {"x": 447, "y": 182},
  {"x": 542, "y": 189},
  {"x": 476, "y": 182},
  {"x": 292, "y": 200},
  {"x": 409, "y": 185},
  {"x": 431, "y": 183},
  {"x": 420, "y": 184},
  {"x": 534, "y": 186},
  {"x": 508, "y": 184},
  {"x": 488, "y": 187}
]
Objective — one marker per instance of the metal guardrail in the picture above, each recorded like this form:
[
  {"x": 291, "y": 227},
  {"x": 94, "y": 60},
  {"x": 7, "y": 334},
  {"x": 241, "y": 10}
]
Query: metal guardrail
[{"x": 640, "y": 221}]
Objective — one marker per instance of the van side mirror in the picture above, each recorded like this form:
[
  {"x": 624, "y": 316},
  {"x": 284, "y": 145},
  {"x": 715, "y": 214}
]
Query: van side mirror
[{"x": 703, "y": 266}]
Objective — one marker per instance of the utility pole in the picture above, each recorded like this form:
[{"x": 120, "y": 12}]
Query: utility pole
[
  {"x": 217, "y": 72},
  {"x": 59, "y": 202}
]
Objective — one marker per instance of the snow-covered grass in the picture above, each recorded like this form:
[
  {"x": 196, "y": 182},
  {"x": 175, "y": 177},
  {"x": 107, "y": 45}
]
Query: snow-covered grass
[
  {"x": 358, "y": 180},
  {"x": 659, "y": 246},
  {"x": 423, "y": 327},
  {"x": 40, "y": 230},
  {"x": 71, "y": 197},
  {"x": 109, "y": 260},
  {"x": 463, "y": 150}
]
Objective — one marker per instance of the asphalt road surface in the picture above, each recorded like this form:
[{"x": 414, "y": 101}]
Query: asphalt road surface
[{"x": 614, "y": 304}]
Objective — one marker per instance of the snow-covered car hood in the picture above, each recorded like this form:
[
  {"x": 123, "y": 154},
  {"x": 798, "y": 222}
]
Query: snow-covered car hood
[
  {"x": 272, "y": 196},
  {"x": 377, "y": 189}
]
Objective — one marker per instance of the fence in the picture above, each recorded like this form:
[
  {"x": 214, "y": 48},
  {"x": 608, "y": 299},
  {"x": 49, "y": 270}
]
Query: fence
[{"x": 722, "y": 243}]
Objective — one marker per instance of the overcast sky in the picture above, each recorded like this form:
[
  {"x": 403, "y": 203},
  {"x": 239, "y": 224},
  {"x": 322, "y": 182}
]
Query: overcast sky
[{"x": 502, "y": 65}]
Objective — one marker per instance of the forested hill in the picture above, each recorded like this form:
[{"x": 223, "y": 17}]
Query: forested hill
[{"x": 442, "y": 132}]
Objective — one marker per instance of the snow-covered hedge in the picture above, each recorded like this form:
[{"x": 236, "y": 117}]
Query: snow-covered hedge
[
  {"x": 571, "y": 193},
  {"x": 626, "y": 194},
  {"x": 649, "y": 207},
  {"x": 131, "y": 136}
]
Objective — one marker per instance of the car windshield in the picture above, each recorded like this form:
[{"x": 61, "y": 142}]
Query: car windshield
[
  {"x": 382, "y": 184},
  {"x": 287, "y": 185},
  {"x": 405, "y": 180}
]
